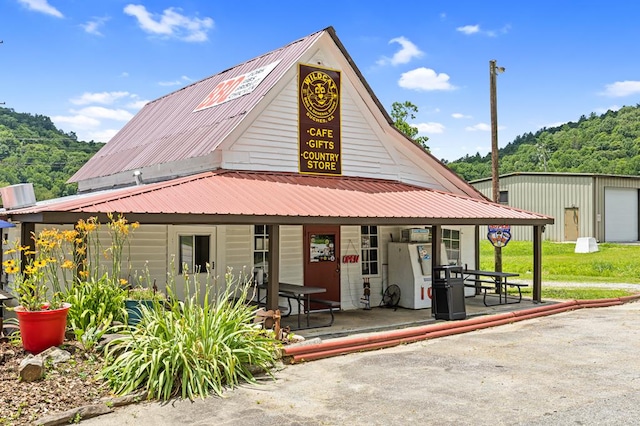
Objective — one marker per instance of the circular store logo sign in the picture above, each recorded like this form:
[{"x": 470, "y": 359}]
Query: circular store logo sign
[{"x": 319, "y": 94}]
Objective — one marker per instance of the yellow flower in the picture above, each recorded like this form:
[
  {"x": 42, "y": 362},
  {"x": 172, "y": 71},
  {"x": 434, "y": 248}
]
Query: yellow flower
[
  {"x": 67, "y": 264},
  {"x": 10, "y": 251},
  {"x": 11, "y": 269},
  {"x": 83, "y": 274},
  {"x": 135, "y": 225},
  {"x": 41, "y": 263},
  {"x": 123, "y": 281},
  {"x": 29, "y": 270},
  {"x": 9, "y": 263}
]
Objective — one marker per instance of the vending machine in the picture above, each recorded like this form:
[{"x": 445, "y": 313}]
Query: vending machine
[{"x": 410, "y": 269}]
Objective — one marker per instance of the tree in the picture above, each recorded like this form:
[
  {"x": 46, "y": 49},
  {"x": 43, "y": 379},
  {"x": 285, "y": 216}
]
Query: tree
[{"x": 401, "y": 112}]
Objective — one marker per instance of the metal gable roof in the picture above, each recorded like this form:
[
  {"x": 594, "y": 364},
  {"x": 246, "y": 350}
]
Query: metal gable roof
[
  {"x": 168, "y": 129},
  {"x": 287, "y": 198}
]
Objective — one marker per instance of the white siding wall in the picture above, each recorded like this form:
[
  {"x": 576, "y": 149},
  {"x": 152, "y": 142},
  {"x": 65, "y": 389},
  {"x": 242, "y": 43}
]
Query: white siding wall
[
  {"x": 271, "y": 143},
  {"x": 236, "y": 249},
  {"x": 291, "y": 255}
]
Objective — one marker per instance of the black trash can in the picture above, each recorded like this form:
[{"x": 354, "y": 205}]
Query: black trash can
[{"x": 448, "y": 293}]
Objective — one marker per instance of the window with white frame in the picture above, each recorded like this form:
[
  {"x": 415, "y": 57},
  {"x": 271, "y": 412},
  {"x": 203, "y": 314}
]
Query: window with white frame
[
  {"x": 194, "y": 253},
  {"x": 369, "y": 250},
  {"x": 261, "y": 247},
  {"x": 451, "y": 241}
]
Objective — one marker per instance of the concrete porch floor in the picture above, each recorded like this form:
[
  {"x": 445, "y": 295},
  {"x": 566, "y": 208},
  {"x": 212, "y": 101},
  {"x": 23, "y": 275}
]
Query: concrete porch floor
[{"x": 358, "y": 321}]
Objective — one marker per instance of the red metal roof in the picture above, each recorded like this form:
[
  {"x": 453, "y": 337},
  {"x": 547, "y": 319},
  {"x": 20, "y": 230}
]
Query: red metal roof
[
  {"x": 167, "y": 129},
  {"x": 289, "y": 197}
]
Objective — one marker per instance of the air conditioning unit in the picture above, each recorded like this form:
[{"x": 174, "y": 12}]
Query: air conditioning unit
[{"x": 18, "y": 196}]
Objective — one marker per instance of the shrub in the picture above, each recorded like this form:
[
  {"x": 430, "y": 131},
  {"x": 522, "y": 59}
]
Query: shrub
[
  {"x": 95, "y": 305},
  {"x": 194, "y": 347}
]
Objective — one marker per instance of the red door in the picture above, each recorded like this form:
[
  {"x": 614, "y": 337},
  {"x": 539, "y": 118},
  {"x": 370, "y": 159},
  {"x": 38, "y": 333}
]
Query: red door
[{"x": 322, "y": 260}]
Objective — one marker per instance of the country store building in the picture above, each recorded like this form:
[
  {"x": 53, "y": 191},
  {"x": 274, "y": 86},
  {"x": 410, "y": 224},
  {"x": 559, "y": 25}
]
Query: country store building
[{"x": 286, "y": 163}]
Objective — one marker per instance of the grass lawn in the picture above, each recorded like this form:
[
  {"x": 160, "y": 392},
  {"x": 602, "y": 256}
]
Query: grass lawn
[{"x": 613, "y": 263}]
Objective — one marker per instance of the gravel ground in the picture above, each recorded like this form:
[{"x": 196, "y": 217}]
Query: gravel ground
[{"x": 575, "y": 368}]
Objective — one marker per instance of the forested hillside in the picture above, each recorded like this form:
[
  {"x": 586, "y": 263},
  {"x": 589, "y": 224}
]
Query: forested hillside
[
  {"x": 608, "y": 144},
  {"x": 33, "y": 150}
]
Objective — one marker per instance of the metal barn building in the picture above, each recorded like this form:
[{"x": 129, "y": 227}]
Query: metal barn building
[{"x": 584, "y": 205}]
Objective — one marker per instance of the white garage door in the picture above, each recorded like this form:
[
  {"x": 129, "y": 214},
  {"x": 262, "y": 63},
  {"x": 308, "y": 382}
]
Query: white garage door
[{"x": 620, "y": 214}]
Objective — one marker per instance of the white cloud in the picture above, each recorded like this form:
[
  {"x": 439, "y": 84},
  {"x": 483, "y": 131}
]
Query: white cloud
[
  {"x": 458, "y": 115},
  {"x": 105, "y": 98},
  {"x": 42, "y": 6},
  {"x": 182, "y": 80},
  {"x": 430, "y": 127},
  {"x": 425, "y": 79},
  {"x": 469, "y": 29},
  {"x": 92, "y": 121},
  {"x": 137, "y": 105},
  {"x": 171, "y": 24},
  {"x": 483, "y": 127},
  {"x": 621, "y": 88},
  {"x": 475, "y": 29},
  {"x": 77, "y": 121},
  {"x": 103, "y": 135},
  {"x": 93, "y": 26},
  {"x": 407, "y": 52},
  {"x": 99, "y": 112}
]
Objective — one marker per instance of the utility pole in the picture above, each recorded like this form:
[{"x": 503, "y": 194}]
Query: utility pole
[{"x": 493, "y": 72}]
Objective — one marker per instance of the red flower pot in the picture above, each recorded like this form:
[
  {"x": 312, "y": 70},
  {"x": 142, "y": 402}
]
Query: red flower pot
[{"x": 41, "y": 330}]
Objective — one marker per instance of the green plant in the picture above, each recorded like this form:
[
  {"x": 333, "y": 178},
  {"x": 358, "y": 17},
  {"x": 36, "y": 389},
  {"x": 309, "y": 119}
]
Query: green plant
[
  {"x": 37, "y": 272},
  {"x": 144, "y": 293},
  {"x": 196, "y": 346}
]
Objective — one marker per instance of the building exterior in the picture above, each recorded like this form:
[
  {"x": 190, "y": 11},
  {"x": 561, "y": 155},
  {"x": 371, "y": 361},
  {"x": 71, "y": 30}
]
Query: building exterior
[
  {"x": 604, "y": 207},
  {"x": 285, "y": 165}
]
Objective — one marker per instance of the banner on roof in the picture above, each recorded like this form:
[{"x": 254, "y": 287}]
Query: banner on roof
[
  {"x": 235, "y": 87},
  {"x": 320, "y": 146}
]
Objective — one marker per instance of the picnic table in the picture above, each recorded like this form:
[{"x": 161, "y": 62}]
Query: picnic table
[
  {"x": 499, "y": 287},
  {"x": 303, "y": 296}
]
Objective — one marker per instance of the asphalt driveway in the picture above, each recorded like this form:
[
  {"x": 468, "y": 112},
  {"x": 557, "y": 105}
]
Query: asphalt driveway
[{"x": 576, "y": 368}]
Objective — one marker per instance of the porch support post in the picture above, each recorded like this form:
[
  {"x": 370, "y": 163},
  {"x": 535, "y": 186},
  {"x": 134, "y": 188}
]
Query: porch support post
[
  {"x": 476, "y": 257},
  {"x": 537, "y": 263},
  {"x": 436, "y": 241},
  {"x": 273, "y": 286}
]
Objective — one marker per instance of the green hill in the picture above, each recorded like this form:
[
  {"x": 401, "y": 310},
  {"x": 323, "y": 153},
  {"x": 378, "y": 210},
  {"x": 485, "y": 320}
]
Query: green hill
[
  {"x": 33, "y": 150},
  {"x": 607, "y": 143}
]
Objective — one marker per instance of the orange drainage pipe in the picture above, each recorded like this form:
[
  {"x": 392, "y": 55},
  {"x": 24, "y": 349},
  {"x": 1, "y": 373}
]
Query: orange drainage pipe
[
  {"x": 416, "y": 331},
  {"x": 410, "y": 335}
]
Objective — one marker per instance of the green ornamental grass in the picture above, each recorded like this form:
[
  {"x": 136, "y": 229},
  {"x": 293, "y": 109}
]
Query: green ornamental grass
[{"x": 204, "y": 344}]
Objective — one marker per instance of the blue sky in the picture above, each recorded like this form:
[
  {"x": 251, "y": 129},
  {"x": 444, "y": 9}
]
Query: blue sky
[{"x": 91, "y": 65}]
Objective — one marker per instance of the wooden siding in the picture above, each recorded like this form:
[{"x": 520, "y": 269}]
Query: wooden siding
[
  {"x": 291, "y": 254},
  {"x": 270, "y": 143},
  {"x": 237, "y": 246}
]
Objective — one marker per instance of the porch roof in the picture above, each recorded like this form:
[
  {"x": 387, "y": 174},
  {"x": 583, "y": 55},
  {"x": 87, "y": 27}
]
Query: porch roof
[{"x": 225, "y": 196}]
